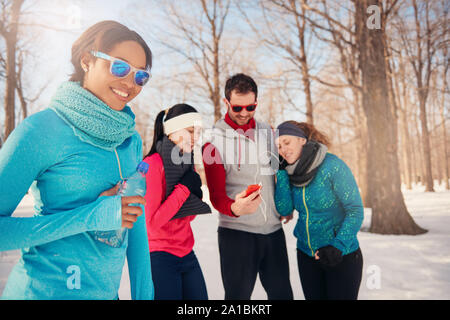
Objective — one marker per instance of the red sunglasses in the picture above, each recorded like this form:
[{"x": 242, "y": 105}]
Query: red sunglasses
[{"x": 249, "y": 108}]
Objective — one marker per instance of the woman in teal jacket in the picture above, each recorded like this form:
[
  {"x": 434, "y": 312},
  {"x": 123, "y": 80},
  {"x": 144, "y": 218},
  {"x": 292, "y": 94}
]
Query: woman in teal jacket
[
  {"x": 321, "y": 187},
  {"x": 71, "y": 157}
]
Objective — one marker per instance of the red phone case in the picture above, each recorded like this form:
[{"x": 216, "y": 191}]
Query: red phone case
[{"x": 252, "y": 188}]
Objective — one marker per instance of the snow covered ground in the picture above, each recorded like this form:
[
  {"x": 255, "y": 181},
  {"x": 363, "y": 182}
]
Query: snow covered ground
[{"x": 395, "y": 267}]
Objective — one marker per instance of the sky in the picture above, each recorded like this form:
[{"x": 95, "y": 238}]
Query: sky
[{"x": 51, "y": 49}]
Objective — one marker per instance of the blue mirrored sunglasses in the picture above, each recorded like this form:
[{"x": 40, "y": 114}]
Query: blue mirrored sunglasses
[{"x": 121, "y": 69}]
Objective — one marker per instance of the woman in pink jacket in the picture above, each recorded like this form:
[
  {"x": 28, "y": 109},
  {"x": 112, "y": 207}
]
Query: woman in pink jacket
[{"x": 173, "y": 199}]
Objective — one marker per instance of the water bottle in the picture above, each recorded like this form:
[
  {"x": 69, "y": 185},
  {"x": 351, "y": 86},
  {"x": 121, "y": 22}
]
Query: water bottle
[
  {"x": 132, "y": 186},
  {"x": 135, "y": 185}
]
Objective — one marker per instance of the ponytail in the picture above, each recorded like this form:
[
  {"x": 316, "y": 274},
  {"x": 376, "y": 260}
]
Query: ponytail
[{"x": 158, "y": 132}]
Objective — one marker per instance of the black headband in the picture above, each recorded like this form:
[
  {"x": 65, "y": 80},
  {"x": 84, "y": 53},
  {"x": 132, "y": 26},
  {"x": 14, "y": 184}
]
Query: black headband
[{"x": 290, "y": 129}]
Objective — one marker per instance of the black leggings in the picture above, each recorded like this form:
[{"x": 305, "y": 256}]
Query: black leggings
[
  {"x": 330, "y": 283},
  {"x": 244, "y": 255}
]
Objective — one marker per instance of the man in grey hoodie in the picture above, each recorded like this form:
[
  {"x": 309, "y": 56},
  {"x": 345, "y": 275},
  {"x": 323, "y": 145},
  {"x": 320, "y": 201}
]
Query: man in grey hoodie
[{"x": 251, "y": 240}]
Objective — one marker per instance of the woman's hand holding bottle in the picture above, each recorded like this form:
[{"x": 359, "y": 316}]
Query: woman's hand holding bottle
[{"x": 130, "y": 212}]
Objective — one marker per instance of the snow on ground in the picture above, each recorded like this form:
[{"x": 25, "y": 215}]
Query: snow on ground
[{"x": 395, "y": 267}]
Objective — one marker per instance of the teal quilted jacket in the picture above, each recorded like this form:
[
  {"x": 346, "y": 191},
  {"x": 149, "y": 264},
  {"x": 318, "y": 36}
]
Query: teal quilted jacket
[{"x": 330, "y": 207}]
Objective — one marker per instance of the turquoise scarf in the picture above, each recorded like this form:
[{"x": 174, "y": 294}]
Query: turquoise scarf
[{"x": 91, "y": 119}]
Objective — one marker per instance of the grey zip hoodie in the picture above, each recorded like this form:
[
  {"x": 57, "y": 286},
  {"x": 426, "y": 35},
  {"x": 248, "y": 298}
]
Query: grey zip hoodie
[{"x": 249, "y": 162}]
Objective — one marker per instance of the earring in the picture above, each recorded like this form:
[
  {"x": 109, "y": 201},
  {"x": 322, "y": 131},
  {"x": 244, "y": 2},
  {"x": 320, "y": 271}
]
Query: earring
[{"x": 85, "y": 68}]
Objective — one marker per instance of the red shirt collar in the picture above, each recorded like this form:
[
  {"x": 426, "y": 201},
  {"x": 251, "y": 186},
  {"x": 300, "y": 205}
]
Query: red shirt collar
[{"x": 250, "y": 125}]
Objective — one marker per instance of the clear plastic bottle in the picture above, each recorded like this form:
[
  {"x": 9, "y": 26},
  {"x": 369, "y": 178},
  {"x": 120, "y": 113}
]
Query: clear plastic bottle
[{"x": 132, "y": 186}]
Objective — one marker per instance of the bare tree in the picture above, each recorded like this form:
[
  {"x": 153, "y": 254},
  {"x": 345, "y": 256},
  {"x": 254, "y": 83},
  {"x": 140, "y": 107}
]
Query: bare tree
[
  {"x": 444, "y": 136},
  {"x": 389, "y": 212},
  {"x": 342, "y": 37},
  {"x": 402, "y": 94},
  {"x": 16, "y": 60},
  {"x": 26, "y": 98},
  {"x": 198, "y": 39},
  {"x": 9, "y": 25},
  {"x": 444, "y": 91},
  {"x": 277, "y": 17},
  {"x": 421, "y": 39}
]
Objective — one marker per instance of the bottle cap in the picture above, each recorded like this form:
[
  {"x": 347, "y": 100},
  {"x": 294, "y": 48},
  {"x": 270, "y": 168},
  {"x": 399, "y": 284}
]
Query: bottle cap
[{"x": 143, "y": 167}]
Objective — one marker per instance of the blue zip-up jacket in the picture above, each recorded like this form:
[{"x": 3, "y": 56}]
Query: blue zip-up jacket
[
  {"x": 330, "y": 207},
  {"x": 60, "y": 258}
]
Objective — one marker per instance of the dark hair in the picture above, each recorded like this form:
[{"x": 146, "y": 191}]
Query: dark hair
[
  {"x": 103, "y": 36},
  {"x": 242, "y": 84},
  {"x": 172, "y": 112},
  {"x": 312, "y": 132}
]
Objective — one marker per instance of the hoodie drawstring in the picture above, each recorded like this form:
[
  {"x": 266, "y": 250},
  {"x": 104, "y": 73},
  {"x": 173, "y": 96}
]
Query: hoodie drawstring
[{"x": 239, "y": 160}]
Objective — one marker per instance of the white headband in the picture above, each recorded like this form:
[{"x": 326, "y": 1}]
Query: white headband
[{"x": 182, "y": 121}]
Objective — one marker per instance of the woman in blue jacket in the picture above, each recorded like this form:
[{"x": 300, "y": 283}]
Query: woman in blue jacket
[
  {"x": 321, "y": 187},
  {"x": 71, "y": 156}
]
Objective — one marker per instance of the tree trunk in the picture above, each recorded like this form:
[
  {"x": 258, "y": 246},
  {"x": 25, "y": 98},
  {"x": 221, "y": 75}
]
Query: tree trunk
[
  {"x": 442, "y": 108},
  {"x": 406, "y": 149},
  {"x": 361, "y": 146},
  {"x": 417, "y": 160},
  {"x": 445, "y": 152},
  {"x": 216, "y": 93},
  {"x": 10, "y": 90},
  {"x": 444, "y": 133},
  {"x": 421, "y": 168},
  {"x": 423, "y": 82},
  {"x": 436, "y": 163},
  {"x": 307, "y": 89},
  {"x": 19, "y": 87},
  {"x": 10, "y": 36},
  {"x": 407, "y": 152},
  {"x": 389, "y": 212},
  {"x": 426, "y": 150},
  {"x": 301, "y": 25}
]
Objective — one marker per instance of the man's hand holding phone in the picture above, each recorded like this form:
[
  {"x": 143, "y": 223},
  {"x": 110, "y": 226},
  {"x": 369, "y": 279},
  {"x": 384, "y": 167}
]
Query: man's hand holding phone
[{"x": 247, "y": 201}]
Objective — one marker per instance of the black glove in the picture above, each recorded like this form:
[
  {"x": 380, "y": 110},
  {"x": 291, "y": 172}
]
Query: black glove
[
  {"x": 192, "y": 181},
  {"x": 282, "y": 163},
  {"x": 198, "y": 192},
  {"x": 330, "y": 256}
]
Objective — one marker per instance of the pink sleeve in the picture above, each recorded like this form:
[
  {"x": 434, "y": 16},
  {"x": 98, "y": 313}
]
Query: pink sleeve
[{"x": 159, "y": 211}]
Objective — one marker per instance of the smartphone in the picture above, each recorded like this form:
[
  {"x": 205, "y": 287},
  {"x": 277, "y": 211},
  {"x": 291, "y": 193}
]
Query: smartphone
[{"x": 252, "y": 188}]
